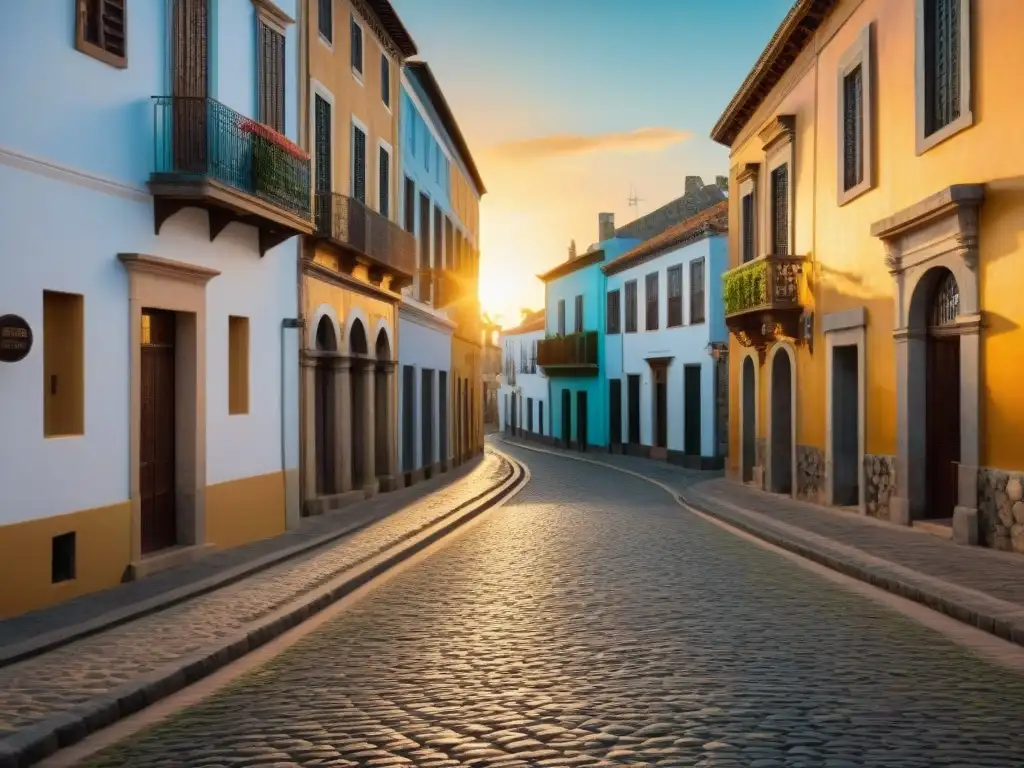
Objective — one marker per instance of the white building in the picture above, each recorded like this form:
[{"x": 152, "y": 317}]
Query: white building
[
  {"x": 424, "y": 359},
  {"x": 523, "y": 394},
  {"x": 664, "y": 332}
]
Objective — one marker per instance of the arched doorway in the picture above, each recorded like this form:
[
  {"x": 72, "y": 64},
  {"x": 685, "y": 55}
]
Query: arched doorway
[
  {"x": 748, "y": 425},
  {"x": 782, "y": 423},
  {"x": 942, "y": 398},
  {"x": 326, "y": 341},
  {"x": 382, "y": 401},
  {"x": 361, "y": 386}
]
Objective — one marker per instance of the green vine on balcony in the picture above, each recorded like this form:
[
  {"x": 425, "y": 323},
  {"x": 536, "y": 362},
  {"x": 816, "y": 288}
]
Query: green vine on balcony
[{"x": 745, "y": 287}]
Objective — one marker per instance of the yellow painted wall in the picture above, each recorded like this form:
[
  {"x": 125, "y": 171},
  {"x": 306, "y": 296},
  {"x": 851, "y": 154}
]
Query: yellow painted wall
[
  {"x": 245, "y": 510},
  {"x": 466, "y": 204},
  {"x": 343, "y": 301},
  {"x": 848, "y": 268},
  {"x": 467, "y": 364}
]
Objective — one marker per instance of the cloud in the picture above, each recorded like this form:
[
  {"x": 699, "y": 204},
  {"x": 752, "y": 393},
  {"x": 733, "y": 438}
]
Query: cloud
[{"x": 562, "y": 145}]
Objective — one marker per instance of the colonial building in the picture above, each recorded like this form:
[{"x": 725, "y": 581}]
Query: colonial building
[
  {"x": 491, "y": 373},
  {"x": 664, "y": 338},
  {"x": 523, "y": 394},
  {"x": 441, "y": 193},
  {"x": 358, "y": 259},
  {"x": 149, "y": 329},
  {"x": 876, "y": 328}
]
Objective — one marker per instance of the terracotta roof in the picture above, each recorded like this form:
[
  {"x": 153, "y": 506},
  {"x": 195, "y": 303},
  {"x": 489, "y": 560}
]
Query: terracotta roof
[
  {"x": 711, "y": 221},
  {"x": 568, "y": 267},
  {"x": 792, "y": 36},
  {"x": 393, "y": 25},
  {"x": 530, "y": 325},
  {"x": 422, "y": 72}
]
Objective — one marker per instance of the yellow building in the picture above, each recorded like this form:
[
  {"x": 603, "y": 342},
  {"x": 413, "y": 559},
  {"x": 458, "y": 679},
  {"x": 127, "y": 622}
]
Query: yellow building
[
  {"x": 876, "y": 212},
  {"x": 358, "y": 260}
]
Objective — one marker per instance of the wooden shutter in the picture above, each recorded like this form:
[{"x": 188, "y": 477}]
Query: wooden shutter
[
  {"x": 357, "y": 47},
  {"x": 748, "y": 226},
  {"x": 612, "y": 312},
  {"x": 410, "y": 205},
  {"x": 696, "y": 291},
  {"x": 675, "y": 295},
  {"x": 385, "y": 80},
  {"x": 101, "y": 30},
  {"x": 853, "y": 127},
  {"x": 942, "y": 62},
  {"x": 651, "y": 292},
  {"x": 325, "y": 19},
  {"x": 189, "y": 58},
  {"x": 322, "y": 159},
  {"x": 578, "y": 320},
  {"x": 271, "y": 77},
  {"x": 384, "y": 182},
  {"x": 631, "y": 308},
  {"x": 358, "y": 165},
  {"x": 561, "y": 317},
  {"x": 780, "y": 210}
]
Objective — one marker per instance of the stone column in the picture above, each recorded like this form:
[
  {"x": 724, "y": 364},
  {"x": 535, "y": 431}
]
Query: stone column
[
  {"x": 308, "y": 456},
  {"x": 342, "y": 425},
  {"x": 368, "y": 448},
  {"x": 391, "y": 431}
]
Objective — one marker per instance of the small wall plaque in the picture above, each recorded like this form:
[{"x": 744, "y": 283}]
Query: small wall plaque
[{"x": 15, "y": 339}]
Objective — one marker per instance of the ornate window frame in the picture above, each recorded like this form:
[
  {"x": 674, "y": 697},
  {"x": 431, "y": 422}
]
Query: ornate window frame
[
  {"x": 859, "y": 54},
  {"x": 778, "y": 138},
  {"x": 747, "y": 179},
  {"x": 966, "y": 118}
]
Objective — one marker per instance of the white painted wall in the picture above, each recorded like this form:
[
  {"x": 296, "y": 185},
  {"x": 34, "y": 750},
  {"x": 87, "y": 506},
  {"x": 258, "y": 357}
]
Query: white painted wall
[
  {"x": 627, "y": 353},
  {"x": 424, "y": 344},
  {"x": 527, "y": 385},
  {"x": 63, "y": 231}
]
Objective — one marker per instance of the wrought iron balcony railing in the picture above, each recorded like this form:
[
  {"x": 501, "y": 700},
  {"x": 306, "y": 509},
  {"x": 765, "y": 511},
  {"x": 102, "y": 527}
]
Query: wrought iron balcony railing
[
  {"x": 200, "y": 139},
  {"x": 351, "y": 223},
  {"x": 575, "y": 351}
]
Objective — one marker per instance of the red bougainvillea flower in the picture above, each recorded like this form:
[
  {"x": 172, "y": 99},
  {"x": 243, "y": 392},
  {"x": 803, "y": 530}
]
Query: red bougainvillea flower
[{"x": 248, "y": 125}]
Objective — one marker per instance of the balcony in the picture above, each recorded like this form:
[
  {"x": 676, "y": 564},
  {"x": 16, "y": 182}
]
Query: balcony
[
  {"x": 369, "y": 237},
  {"x": 209, "y": 156},
  {"x": 572, "y": 355},
  {"x": 762, "y": 299}
]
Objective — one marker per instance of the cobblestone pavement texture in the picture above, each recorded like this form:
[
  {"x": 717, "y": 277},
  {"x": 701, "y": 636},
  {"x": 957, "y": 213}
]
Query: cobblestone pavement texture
[
  {"x": 592, "y": 621},
  {"x": 18, "y": 629},
  {"x": 61, "y": 679}
]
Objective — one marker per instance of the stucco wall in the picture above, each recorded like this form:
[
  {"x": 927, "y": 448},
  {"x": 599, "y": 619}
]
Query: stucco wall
[
  {"x": 423, "y": 345},
  {"x": 529, "y": 385}
]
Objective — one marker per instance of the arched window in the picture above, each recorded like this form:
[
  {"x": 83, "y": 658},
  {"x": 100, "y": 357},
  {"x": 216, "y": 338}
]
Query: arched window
[{"x": 946, "y": 304}]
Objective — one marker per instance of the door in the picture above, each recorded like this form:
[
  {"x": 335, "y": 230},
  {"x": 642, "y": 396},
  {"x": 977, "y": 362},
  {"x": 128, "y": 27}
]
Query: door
[
  {"x": 942, "y": 429},
  {"x": 659, "y": 374},
  {"x": 442, "y": 413},
  {"x": 581, "y": 420},
  {"x": 540, "y": 418},
  {"x": 324, "y": 408},
  {"x": 567, "y": 418},
  {"x": 529, "y": 415},
  {"x": 189, "y": 85},
  {"x": 427, "y": 416},
  {"x": 514, "y": 423},
  {"x": 408, "y": 418},
  {"x": 633, "y": 384},
  {"x": 749, "y": 420},
  {"x": 156, "y": 433},
  {"x": 615, "y": 410},
  {"x": 845, "y": 417},
  {"x": 782, "y": 424},
  {"x": 691, "y": 411}
]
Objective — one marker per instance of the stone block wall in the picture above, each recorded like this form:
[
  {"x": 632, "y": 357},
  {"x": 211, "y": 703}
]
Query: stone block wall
[
  {"x": 879, "y": 484},
  {"x": 1001, "y": 509},
  {"x": 810, "y": 474}
]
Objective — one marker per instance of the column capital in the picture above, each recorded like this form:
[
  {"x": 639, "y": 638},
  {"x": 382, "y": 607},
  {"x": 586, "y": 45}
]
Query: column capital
[
  {"x": 388, "y": 366},
  {"x": 340, "y": 363}
]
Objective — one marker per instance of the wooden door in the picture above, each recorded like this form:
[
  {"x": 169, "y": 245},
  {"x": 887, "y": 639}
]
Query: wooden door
[
  {"x": 581, "y": 420},
  {"x": 156, "y": 434},
  {"x": 633, "y": 385},
  {"x": 659, "y": 374},
  {"x": 749, "y": 425},
  {"x": 190, "y": 84},
  {"x": 325, "y": 416},
  {"x": 615, "y": 410},
  {"x": 567, "y": 418},
  {"x": 691, "y": 414},
  {"x": 942, "y": 436}
]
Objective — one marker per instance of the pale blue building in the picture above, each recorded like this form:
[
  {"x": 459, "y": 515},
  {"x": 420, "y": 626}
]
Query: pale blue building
[{"x": 153, "y": 197}]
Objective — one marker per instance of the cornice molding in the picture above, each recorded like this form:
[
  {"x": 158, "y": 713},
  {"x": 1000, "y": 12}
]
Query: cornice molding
[
  {"x": 779, "y": 131},
  {"x": 371, "y": 20},
  {"x": 137, "y": 263}
]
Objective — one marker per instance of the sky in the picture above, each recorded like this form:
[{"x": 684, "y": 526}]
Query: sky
[{"x": 568, "y": 104}]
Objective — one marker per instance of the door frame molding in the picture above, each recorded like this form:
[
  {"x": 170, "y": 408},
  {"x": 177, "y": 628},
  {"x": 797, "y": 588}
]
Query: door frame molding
[
  {"x": 786, "y": 347},
  {"x": 159, "y": 283},
  {"x": 846, "y": 329}
]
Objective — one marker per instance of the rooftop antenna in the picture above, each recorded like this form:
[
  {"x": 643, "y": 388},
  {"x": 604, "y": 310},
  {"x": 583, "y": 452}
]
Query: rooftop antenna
[{"x": 633, "y": 201}]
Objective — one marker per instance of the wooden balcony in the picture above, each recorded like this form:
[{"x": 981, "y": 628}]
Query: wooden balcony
[
  {"x": 369, "y": 237},
  {"x": 762, "y": 299},
  {"x": 572, "y": 355},
  {"x": 209, "y": 156}
]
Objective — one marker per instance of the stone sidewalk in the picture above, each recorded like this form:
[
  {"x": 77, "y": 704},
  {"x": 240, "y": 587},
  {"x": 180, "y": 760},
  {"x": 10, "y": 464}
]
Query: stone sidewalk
[
  {"x": 976, "y": 585},
  {"x": 57, "y": 697}
]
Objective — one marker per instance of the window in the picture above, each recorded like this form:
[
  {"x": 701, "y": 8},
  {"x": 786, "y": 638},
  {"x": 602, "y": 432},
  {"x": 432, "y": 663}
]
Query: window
[
  {"x": 62, "y": 557},
  {"x": 322, "y": 159},
  {"x": 358, "y": 164},
  {"x": 438, "y": 239},
  {"x": 385, "y": 80},
  {"x": 101, "y": 31},
  {"x": 853, "y": 129},
  {"x": 578, "y": 315},
  {"x": 271, "y": 76},
  {"x": 675, "y": 296},
  {"x": 748, "y": 227},
  {"x": 780, "y": 210},
  {"x": 942, "y": 21},
  {"x": 63, "y": 364},
  {"x": 855, "y": 119},
  {"x": 612, "y": 321},
  {"x": 325, "y": 19},
  {"x": 384, "y": 181},
  {"x": 410, "y": 205},
  {"x": 561, "y": 317},
  {"x": 238, "y": 365},
  {"x": 697, "y": 291},
  {"x": 449, "y": 244},
  {"x": 356, "y": 33},
  {"x": 631, "y": 308},
  {"x": 651, "y": 294}
]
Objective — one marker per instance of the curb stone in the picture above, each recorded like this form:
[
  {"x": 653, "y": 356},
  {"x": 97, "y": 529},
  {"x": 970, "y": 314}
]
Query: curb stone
[
  {"x": 16, "y": 652},
  {"x": 40, "y": 740},
  {"x": 1002, "y": 619}
]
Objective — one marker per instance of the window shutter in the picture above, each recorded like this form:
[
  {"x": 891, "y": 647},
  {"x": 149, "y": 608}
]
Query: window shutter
[
  {"x": 325, "y": 19},
  {"x": 359, "y": 165},
  {"x": 780, "y": 210},
  {"x": 675, "y": 295},
  {"x": 357, "y": 47},
  {"x": 853, "y": 140},
  {"x": 748, "y": 226},
  {"x": 385, "y": 80},
  {"x": 322, "y": 158},
  {"x": 697, "y": 291},
  {"x": 942, "y": 62},
  {"x": 384, "y": 183},
  {"x": 561, "y": 317},
  {"x": 271, "y": 77},
  {"x": 578, "y": 320},
  {"x": 112, "y": 26},
  {"x": 651, "y": 289}
]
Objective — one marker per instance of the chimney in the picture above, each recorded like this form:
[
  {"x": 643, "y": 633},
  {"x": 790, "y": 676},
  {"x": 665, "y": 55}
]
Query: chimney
[
  {"x": 722, "y": 182},
  {"x": 694, "y": 184},
  {"x": 572, "y": 250},
  {"x": 605, "y": 226}
]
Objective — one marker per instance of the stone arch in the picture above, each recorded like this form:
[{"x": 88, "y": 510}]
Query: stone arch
[
  {"x": 782, "y": 419},
  {"x": 324, "y": 311},
  {"x": 326, "y": 339},
  {"x": 356, "y": 338},
  {"x": 384, "y": 342},
  {"x": 356, "y": 316},
  {"x": 749, "y": 412}
]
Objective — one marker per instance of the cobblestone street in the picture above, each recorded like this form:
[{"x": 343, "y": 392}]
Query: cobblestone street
[{"x": 592, "y": 621}]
